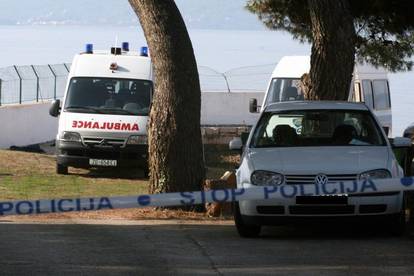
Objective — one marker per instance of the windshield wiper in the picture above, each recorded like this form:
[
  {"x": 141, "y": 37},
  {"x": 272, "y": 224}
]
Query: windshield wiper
[{"x": 86, "y": 108}]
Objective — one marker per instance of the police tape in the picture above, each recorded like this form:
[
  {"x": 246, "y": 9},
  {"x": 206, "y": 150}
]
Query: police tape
[{"x": 356, "y": 188}]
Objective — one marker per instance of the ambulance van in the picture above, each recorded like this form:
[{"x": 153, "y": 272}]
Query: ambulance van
[
  {"x": 369, "y": 85},
  {"x": 104, "y": 112}
]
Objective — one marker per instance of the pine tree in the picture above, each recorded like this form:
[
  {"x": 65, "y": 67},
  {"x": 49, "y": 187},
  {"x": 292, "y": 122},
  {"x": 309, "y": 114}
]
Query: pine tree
[
  {"x": 175, "y": 147},
  {"x": 382, "y": 35}
]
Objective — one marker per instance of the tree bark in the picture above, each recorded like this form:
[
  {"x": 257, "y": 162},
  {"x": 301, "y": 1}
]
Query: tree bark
[
  {"x": 333, "y": 50},
  {"x": 175, "y": 146}
]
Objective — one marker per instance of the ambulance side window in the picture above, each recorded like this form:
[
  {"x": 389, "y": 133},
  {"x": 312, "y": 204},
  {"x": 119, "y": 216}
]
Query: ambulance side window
[
  {"x": 381, "y": 94},
  {"x": 367, "y": 91},
  {"x": 356, "y": 96}
]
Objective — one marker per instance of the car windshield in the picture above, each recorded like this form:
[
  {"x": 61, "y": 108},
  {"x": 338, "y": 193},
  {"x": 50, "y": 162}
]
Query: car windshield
[
  {"x": 317, "y": 128},
  {"x": 109, "y": 96},
  {"x": 284, "y": 89}
]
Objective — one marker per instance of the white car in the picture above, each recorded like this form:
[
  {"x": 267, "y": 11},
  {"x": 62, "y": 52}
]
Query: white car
[{"x": 317, "y": 142}]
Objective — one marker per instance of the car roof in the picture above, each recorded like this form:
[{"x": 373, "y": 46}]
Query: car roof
[{"x": 308, "y": 105}]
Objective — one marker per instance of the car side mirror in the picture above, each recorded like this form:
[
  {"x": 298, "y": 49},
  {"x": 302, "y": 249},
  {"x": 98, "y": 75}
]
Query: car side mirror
[
  {"x": 236, "y": 144},
  {"x": 253, "y": 105},
  {"x": 401, "y": 142},
  {"x": 54, "y": 109}
]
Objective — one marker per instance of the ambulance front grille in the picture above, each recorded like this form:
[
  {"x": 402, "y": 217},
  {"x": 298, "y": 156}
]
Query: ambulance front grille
[{"x": 96, "y": 141}]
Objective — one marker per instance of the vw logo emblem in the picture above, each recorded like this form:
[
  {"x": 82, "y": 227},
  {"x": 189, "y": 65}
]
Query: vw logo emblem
[{"x": 321, "y": 179}]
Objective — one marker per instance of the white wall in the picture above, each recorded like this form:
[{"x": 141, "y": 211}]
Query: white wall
[
  {"x": 26, "y": 124},
  {"x": 223, "y": 108}
]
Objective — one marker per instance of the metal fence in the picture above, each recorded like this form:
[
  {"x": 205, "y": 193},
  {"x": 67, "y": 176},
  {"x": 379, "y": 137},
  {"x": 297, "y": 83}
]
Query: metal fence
[
  {"x": 34, "y": 83},
  {"x": 29, "y": 83},
  {"x": 241, "y": 79}
]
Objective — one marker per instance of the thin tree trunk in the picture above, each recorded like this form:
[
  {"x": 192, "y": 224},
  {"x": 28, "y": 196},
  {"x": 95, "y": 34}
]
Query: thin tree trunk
[
  {"x": 175, "y": 147},
  {"x": 333, "y": 50}
]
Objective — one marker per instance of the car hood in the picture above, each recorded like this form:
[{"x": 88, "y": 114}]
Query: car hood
[{"x": 311, "y": 160}]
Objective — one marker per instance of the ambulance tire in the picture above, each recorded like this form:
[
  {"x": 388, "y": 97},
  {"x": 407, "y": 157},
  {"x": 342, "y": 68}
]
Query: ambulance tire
[
  {"x": 61, "y": 169},
  {"x": 146, "y": 171}
]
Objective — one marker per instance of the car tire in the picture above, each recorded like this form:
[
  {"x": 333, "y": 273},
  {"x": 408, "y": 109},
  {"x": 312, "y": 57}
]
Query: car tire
[
  {"x": 398, "y": 223},
  {"x": 61, "y": 169},
  {"x": 245, "y": 230}
]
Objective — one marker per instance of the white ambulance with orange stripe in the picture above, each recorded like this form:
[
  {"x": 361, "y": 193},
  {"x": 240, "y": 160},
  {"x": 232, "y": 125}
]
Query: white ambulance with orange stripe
[{"x": 104, "y": 113}]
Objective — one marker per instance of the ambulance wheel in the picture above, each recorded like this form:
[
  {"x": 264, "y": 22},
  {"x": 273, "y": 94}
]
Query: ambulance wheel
[
  {"x": 146, "y": 171},
  {"x": 245, "y": 230},
  {"x": 61, "y": 169}
]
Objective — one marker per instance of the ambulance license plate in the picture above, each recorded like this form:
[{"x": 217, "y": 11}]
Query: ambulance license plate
[{"x": 103, "y": 162}]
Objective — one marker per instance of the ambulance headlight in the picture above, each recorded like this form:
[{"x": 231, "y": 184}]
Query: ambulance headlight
[
  {"x": 138, "y": 140},
  {"x": 68, "y": 136}
]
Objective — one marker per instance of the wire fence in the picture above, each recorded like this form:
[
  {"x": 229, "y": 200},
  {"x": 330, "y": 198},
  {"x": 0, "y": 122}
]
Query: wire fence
[{"x": 34, "y": 83}]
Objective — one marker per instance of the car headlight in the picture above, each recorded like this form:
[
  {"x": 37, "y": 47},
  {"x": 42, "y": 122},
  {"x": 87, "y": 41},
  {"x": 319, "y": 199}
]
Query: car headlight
[
  {"x": 266, "y": 178},
  {"x": 138, "y": 140},
  {"x": 69, "y": 136},
  {"x": 375, "y": 174}
]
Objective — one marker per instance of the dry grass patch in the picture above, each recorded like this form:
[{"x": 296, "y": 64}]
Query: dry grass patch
[{"x": 32, "y": 176}]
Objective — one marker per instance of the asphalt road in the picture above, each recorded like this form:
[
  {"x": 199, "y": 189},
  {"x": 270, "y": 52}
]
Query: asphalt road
[{"x": 191, "y": 248}]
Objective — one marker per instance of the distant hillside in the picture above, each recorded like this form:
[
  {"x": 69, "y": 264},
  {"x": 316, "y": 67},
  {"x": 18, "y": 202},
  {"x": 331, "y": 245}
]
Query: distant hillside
[{"x": 200, "y": 14}]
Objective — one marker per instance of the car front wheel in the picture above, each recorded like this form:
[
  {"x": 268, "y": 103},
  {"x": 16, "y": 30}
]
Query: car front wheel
[
  {"x": 398, "y": 222},
  {"x": 245, "y": 230}
]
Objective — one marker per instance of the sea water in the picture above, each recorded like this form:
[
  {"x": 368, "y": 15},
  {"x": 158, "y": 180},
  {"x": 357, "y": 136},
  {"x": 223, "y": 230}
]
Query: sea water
[{"x": 220, "y": 50}]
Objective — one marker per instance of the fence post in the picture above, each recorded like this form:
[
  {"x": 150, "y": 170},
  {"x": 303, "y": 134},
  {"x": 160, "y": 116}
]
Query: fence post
[
  {"x": 54, "y": 75},
  {"x": 37, "y": 83},
  {"x": 67, "y": 69},
  {"x": 227, "y": 82},
  {"x": 20, "y": 84}
]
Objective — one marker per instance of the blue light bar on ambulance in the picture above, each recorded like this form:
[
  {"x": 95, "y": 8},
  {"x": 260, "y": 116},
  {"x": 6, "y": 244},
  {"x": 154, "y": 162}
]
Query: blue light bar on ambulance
[
  {"x": 144, "y": 51},
  {"x": 125, "y": 46},
  {"x": 89, "y": 48}
]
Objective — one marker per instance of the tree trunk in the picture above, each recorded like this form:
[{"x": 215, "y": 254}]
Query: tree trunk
[
  {"x": 175, "y": 147},
  {"x": 333, "y": 50}
]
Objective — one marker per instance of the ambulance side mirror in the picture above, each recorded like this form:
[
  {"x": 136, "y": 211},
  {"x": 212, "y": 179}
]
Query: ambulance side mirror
[
  {"x": 253, "y": 105},
  {"x": 54, "y": 109}
]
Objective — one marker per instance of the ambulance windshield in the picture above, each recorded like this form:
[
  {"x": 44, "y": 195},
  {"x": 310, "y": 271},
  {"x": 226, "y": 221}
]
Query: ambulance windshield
[
  {"x": 284, "y": 89},
  {"x": 109, "y": 96}
]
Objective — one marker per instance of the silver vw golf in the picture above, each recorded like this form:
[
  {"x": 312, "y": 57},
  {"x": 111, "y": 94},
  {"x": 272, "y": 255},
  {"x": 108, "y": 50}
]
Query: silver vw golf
[{"x": 317, "y": 142}]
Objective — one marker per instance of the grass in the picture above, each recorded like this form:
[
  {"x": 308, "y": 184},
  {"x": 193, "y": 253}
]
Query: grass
[{"x": 32, "y": 176}]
